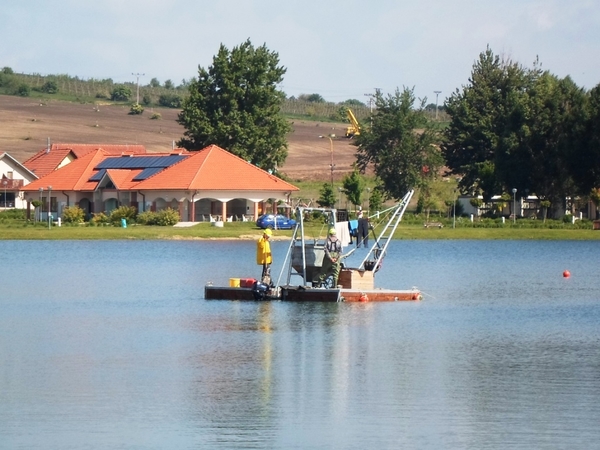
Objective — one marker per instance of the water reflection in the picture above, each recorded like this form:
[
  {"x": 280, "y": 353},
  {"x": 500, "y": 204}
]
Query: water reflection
[{"x": 111, "y": 345}]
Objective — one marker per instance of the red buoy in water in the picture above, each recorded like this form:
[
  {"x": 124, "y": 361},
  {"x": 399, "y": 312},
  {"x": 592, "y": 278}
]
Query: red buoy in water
[{"x": 566, "y": 274}]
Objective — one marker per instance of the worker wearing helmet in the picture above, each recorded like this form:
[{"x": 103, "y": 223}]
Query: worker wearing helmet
[
  {"x": 331, "y": 260},
  {"x": 263, "y": 255}
]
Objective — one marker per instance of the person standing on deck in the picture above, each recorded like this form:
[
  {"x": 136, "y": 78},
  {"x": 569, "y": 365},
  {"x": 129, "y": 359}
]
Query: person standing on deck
[
  {"x": 362, "y": 236},
  {"x": 331, "y": 259},
  {"x": 263, "y": 255}
]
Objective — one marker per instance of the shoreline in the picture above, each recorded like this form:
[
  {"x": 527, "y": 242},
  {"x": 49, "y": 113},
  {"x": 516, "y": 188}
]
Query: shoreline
[{"x": 203, "y": 232}]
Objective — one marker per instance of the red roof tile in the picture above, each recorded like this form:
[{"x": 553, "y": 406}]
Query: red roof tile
[
  {"x": 114, "y": 149},
  {"x": 209, "y": 169},
  {"x": 42, "y": 163},
  {"x": 45, "y": 161},
  {"x": 214, "y": 169},
  {"x": 72, "y": 177}
]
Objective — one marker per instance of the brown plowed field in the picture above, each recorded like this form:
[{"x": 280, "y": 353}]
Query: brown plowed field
[{"x": 26, "y": 125}]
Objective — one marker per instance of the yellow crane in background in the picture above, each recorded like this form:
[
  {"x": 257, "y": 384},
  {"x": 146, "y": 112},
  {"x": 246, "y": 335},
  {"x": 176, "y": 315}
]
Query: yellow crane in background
[{"x": 354, "y": 128}]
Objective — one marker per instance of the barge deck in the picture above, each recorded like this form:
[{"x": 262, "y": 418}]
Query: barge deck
[{"x": 309, "y": 294}]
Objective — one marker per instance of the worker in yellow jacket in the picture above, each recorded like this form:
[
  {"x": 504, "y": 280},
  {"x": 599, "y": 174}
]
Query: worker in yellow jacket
[{"x": 263, "y": 255}]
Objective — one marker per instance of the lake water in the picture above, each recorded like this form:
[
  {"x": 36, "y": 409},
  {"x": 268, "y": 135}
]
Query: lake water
[{"x": 111, "y": 345}]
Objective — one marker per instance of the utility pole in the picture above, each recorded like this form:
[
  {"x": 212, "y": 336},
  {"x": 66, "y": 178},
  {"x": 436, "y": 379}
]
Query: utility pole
[
  {"x": 371, "y": 97},
  {"x": 138, "y": 75},
  {"x": 436, "y": 103},
  {"x": 370, "y": 101}
]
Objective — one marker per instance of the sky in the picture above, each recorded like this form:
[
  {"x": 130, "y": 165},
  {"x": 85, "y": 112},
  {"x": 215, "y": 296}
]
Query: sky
[{"x": 339, "y": 49}]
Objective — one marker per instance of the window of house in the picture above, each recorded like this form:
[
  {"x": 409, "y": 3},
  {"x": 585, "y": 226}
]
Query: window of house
[
  {"x": 7, "y": 200},
  {"x": 53, "y": 204}
]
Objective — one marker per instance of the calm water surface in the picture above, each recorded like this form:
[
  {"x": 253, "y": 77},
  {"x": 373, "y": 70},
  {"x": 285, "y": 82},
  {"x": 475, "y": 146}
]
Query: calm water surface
[{"x": 111, "y": 345}]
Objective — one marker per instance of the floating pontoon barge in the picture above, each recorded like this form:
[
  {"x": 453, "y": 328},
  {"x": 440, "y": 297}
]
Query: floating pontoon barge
[{"x": 304, "y": 260}]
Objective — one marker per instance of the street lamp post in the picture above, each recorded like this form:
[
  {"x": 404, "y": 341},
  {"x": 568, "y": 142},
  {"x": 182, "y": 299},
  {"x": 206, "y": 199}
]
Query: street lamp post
[
  {"x": 331, "y": 165},
  {"x": 514, "y": 191},
  {"x": 5, "y": 183},
  {"x": 49, "y": 207},
  {"x": 436, "y": 103},
  {"x": 40, "y": 207},
  {"x": 340, "y": 197},
  {"x": 454, "y": 211}
]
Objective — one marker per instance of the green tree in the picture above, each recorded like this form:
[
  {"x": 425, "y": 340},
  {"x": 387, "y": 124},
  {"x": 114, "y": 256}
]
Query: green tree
[
  {"x": 236, "y": 105},
  {"x": 311, "y": 98},
  {"x": 585, "y": 155},
  {"x": 169, "y": 100},
  {"x": 23, "y": 90},
  {"x": 354, "y": 184},
  {"x": 480, "y": 114},
  {"x": 326, "y": 196},
  {"x": 513, "y": 127},
  {"x": 476, "y": 203},
  {"x": 545, "y": 204},
  {"x": 50, "y": 87},
  {"x": 154, "y": 83},
  {"x": 538, "y": 152},
  {"x": 400, "y": 145},
  {"x": 136, "y": 109},
  {"x": 169, "y": 85},
  {"x": 429, "y": 203},
  {"x": 375, "y": 200},
  {"x": 120, "y": 94},
  {"x": 352, "y": 102},
  {"x": 184, "y": 85}
]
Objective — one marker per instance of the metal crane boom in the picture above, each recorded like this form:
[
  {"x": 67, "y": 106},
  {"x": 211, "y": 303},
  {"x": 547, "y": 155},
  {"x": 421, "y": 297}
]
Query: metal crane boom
[{"x": 377, "y": 252}]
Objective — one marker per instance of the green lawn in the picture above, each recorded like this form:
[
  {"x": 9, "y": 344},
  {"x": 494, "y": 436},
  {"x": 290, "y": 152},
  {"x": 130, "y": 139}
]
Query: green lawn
[{"x": 234, "y": 230}]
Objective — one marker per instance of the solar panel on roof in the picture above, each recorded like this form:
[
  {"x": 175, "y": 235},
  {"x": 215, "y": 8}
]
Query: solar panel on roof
[
  {"x": 98, "y": 175},
  {"x": 148, "y": 172},
  {"x": 142, "y": 162}
]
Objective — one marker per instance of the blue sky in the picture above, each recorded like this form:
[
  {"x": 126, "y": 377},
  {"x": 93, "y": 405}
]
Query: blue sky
[{"x": 338, "y": 49}]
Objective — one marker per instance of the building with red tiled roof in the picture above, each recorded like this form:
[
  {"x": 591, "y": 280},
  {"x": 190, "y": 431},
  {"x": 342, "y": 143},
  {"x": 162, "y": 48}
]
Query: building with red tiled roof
[
  {"x": 58, "y": 155},
  {"x": 207, "y": 184}
]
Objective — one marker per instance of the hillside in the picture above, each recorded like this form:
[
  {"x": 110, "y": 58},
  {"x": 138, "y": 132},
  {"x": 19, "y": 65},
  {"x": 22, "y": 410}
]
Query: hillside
[{"x": 26, "y": 124}]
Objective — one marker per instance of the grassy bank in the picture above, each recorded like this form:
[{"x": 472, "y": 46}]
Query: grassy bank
[{"x": 247, "y": 230}]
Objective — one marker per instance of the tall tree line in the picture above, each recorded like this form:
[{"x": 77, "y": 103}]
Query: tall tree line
[
  {"x": 511, "y": 127},
  {"x": 524, "y": 128}
]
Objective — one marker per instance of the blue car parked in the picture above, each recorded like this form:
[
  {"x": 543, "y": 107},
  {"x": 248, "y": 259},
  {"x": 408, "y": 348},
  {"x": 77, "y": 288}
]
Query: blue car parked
[{"x": 268, "y": 221}]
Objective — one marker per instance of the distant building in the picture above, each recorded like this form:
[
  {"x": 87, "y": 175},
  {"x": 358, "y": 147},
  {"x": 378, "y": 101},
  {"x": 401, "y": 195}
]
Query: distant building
[
  {"x": 13, "y": 177},
  {"x": 209, "y": 184}
]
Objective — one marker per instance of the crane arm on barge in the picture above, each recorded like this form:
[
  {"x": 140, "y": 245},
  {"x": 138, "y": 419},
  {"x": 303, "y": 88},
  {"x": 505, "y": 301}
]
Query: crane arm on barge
[
  {"x": 372, "y": 260},
  {"x": 305, "y": 258}
]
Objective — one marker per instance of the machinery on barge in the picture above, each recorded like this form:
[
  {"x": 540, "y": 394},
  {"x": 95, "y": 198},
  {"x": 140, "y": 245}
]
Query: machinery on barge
[{"x": 304, "y": 260}]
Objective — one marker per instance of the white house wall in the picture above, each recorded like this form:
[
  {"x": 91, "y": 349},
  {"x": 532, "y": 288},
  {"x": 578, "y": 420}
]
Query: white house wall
[
  {"x": 178, "y": 200},
  {"x": 10, "y": 166}
]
